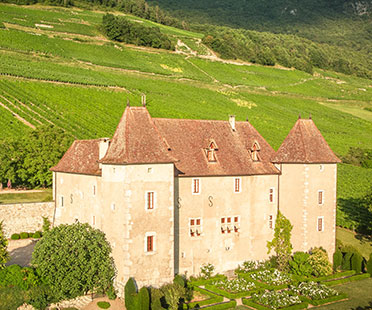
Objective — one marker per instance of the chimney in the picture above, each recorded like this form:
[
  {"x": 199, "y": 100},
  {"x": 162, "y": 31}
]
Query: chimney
[
  {"x": 103, "y": 146},
  {"x": 232, "y": 122}
]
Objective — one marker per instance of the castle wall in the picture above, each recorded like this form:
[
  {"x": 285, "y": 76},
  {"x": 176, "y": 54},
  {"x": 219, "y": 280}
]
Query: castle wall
[
  {"x": 129, "y": 225},
  {"x": 218, "y": 199},
  {"x": 298, "y": 201}
]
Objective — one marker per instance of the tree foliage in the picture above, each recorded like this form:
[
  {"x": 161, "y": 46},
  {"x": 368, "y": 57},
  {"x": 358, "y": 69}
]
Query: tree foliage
[
  {"x": 300, "y": 265},
  {"x": 130, "y": 291},
  {"x": 320, "y": 263},
  {"x": 281, "y": 242},
  {"x": 4, "y": 255},
  {"x": 119, "y": 28},
  {"x": 369, "y": 265},
  {"x": 337, "y": 260},
  {"x": 74, "y": 259},
  {"x": 26, "y": 161}
]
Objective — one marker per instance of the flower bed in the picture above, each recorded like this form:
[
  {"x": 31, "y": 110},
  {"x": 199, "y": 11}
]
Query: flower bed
[
  {"x": 235, "y": 285},
  {"x": 271, "y": 277},
  {"x": 313, "y": 290},
  {"x": 276, "y": 300},
  {"x": 212, "y": 299},
  {"x": 250, "y": 265}
]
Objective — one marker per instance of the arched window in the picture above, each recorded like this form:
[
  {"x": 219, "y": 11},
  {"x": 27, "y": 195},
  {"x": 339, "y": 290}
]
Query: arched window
[
  {"x": 211, "y": 151},
  {"x": 255, "y": 151}
]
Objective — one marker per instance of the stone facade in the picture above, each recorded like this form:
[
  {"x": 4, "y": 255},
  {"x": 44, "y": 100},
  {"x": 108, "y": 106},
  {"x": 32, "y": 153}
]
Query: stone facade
[{"x": 25, "y": 217}]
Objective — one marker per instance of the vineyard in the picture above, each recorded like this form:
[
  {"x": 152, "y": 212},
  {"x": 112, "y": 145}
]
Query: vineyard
[{"x": 74, "y": 78}]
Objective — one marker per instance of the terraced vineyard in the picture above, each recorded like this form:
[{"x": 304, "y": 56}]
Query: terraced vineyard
[{"x": 71, "y": 76}]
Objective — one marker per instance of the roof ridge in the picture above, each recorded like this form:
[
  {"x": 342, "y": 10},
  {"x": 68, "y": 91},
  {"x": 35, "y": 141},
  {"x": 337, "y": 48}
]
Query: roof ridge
[{"x": 302, "y": 141}]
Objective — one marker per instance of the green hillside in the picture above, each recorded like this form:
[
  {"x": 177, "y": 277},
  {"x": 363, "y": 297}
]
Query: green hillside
[{"x": 54, "y": 71}]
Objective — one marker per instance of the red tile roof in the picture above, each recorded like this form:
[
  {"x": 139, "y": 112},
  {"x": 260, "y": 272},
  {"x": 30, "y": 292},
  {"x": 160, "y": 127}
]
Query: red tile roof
[
  {"x": 137, "y": 140},
  {"x": 189, "y": 139},
  {"x": 81, "y": 158},
  {"x": 305, "y": 144}
]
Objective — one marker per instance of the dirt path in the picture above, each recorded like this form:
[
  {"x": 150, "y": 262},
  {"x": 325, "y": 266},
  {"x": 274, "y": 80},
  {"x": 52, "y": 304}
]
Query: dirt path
[
  {"x": 21, "y": 251},
  {"x": 116, "y": 304}
]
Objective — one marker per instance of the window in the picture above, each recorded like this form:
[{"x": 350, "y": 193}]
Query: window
[
  {"x": 230, "y": 224},
  {"x": 320, "y": 197},
  {"x": 150, "y": 243},
  {"x": 320, "y": 223},
  {"x": 211, "y": 151},
  {"x": 61, "y": 201},
  {"x": 195, "y": 227},
  {"x": 94, "y": 190},
  {"x": 150, "y": 200},
  {"x": 254, "y": 151},
  {"x": 195, "y": 186},
  {"x": 271, "y": 194},
  {"x": 271, "y": 224},
  {"x": 93, "y": 220},
  {"x": 149, "y": 170},
  {"x": 321, "y": 167},
  {"x": 113, "y": 206},
  {"x": 237, "y": 182}
]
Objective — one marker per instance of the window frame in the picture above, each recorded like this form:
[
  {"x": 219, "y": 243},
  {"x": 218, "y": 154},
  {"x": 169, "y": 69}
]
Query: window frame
[
  {"x": 322, "y": 222},
  {"x": 271, "y": 221},
  {"x": 196, "y": 226},
  {"x": 225, "y": 224},
  {"x": 321, "y": 191},
  {"x": 149, "y": 234},
  {"x": 272, "y": 194},
  {"x": 193, "y": 186},
  {"x": 239, "y": 179},
  {"x": 154, "y": 201}
]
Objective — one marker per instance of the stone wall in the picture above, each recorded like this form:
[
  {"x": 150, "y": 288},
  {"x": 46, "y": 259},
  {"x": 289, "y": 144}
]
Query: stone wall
[{"x": 26, "y": 217}]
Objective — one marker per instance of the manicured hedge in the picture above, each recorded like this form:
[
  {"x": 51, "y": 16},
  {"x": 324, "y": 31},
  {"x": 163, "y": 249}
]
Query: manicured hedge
[
  {"x": 326, "y": 300},
  {"x": 212, "y": 300},
  {"x": 337, "y": 275},
  {"x": 103, "y": 304},
  {"x": 24, "y": 235},
  {"x": 252, "y": 304},
  {"x": 346, "y": 280},
  {"x": 265, "y": 285},
  {"x": 15, "y": 237},
  {"x": 220, "y": 306}
]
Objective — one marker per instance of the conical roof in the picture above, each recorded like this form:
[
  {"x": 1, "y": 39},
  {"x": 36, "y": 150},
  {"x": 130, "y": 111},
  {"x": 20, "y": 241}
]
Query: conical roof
[{"x": 305, "y": 144}]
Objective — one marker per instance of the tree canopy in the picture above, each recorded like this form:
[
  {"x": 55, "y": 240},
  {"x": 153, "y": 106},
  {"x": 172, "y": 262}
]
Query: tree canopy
[{"x": 73, "y": 260}]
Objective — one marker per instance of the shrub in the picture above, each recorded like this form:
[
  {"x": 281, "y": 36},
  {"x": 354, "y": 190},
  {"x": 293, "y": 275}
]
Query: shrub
[
  {"x": 369, "y": 265},
  {"x": 337, "y": 260},
  {"x": 144, "y": 299},
  {"x": 15, "y": 237},
  {"x": 4, "y": 255},
  {"x": 41, "y": 296},
  {"x": 104, "y": 304},
  {"x": 157, "y": 299},
  {"x": 300, "y": 265},
  {"x": 111, "y": 293},
  {"x": 24, "y": 235},
  {"x": 356, "y": 262},
  {"x": 346, "y": 261},
  {"x": 36, "y": 235},
  {"x": 15, "y": 275},
  {"x": 206, "y": 270},
  {"x": 130, "y": 291},
  {"x": 173, "y": 293},
  {"x": 46, "y": 224},
  {"x": 319, "y": 262},
  {"x": 182, "y": 282}
]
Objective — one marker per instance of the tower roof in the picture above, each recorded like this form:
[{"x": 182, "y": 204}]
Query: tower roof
[
  {"x": 137, "y": 140},
  {"x": 305, "y": 144}
]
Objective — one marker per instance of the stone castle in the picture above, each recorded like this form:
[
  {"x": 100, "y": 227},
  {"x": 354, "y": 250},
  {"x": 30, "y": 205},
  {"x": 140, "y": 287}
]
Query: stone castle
[{"x": 174, "y": 194}]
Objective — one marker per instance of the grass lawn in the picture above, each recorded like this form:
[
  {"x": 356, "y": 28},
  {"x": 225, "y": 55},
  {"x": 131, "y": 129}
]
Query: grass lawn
[
  {"x": 44, "y": 195},
  {"x": 362, "y": 244},
  {"x": 360, "y": 296}
]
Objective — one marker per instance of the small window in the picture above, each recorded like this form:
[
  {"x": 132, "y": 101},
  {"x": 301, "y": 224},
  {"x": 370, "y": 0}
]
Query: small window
[
  {"x": 271, "y": 224},
  {"x": 271, "y": 194},
  {"x": 150, "y": 200},
  {"x": 237, "y": 184},
  {"x": 196, "y": 186},
  {"x": 321, "y": 167},
  {"x": 254, "y": 151},
  {"x": 320, "y": 197},
  {"x": 195, "y": 227},
  {"x": 113, "y": 206},
  {"x": 94, "y": 190},
  {"x": 61, "y": 201},
  {"x": 150, "y": 243},
  {"x": 320, "y": 223},
  {"x": 211, "y": 152},
  {"x": 230, "y": 224}
]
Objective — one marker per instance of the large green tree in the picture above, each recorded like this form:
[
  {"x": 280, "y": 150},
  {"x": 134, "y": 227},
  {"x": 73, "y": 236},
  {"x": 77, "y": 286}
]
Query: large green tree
[
  {"x": 281, "y": 242},
  {"x": 74, "y": 259},
  {"x": 26, "y": 161},
  {"x": 4, "y": 255}
]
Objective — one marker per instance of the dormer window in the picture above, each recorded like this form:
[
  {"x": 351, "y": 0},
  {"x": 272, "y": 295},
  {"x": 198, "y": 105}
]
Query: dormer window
[
  {"x": 255, "y": 149},
  {"x": 211, "y": 151}
]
